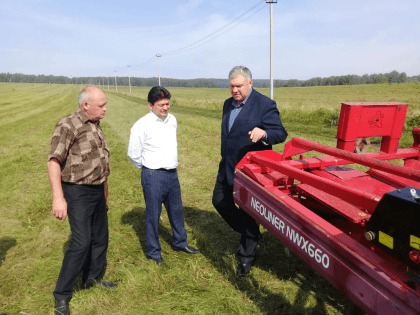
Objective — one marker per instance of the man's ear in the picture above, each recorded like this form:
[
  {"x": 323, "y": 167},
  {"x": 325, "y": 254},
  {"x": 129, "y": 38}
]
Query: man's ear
[
  {"x": 150, "y": 105},
  {"x": 84, "y": 106}
]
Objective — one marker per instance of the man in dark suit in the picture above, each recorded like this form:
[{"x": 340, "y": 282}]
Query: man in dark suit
[{"x": 250, "y": 122}]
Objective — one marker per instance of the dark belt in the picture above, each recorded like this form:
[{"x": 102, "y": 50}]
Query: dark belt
[
  {"x": 160, "y": 169},
  {"x": 87, "y": 185}
]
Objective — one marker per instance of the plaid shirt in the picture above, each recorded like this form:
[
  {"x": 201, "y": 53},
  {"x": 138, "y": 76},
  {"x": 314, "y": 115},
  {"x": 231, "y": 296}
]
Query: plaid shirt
[{"x": 80, "y": 146}]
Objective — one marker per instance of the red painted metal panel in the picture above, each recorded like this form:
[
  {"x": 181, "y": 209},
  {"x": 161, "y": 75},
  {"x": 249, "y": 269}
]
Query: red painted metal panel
[
  {"x": 347, "y": 210},
  {"x": 345, "y": 173},
  {"x": 412, "y": 163},
  {"x": 361, "y": 120},
  {"x": 364, "y": 183},
  {"x": 397, "y": 181},
  {"x": 349, "y": 122},
  {"x": 364, "y": 277},
  {"x": 360, "y": 198},
  {"x": 416, "y": 136}
]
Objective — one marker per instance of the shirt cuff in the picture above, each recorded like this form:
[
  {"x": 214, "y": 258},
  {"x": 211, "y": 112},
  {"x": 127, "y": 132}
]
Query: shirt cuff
[{"x": 265, "y": 140}]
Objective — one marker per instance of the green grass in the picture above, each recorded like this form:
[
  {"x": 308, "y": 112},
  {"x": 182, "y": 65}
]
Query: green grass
[{"x": 32, "y": 241}]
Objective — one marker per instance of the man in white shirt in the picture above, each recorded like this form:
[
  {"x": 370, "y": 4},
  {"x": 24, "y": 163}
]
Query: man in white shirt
[{"x": 153, "y": 148}]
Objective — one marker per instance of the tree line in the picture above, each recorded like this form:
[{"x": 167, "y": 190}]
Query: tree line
[{"x": 392, "y": 77}]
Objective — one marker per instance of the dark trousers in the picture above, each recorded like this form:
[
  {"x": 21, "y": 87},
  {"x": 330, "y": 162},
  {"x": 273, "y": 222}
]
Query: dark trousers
[
  {"x": 87, "y": 213},
  {"x": 238, "y": 220},
  {"x": 162, "y": 187}
]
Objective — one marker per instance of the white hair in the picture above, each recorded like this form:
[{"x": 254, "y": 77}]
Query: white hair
[
  {"x": 84, "y": 95},
  {"x": 240, "y": 70}
]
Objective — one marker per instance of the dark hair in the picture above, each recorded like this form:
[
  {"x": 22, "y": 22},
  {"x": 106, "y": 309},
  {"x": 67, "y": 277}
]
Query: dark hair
[{"x": 157, "y": 93}]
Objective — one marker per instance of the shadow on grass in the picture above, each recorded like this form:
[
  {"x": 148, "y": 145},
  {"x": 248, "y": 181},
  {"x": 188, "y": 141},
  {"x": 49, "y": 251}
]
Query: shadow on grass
[
  {"x": 218, "y": 242},
  {"x": 137, "y": 219},
  {"x": 215, "y": 239},
  {"x": 5, "y": 244}
]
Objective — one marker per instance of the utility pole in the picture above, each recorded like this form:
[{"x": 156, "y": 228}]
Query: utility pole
[
  {"x": 271, "y": 48},
  {"x": 108, "y": 80},
  {"x": 129, "y": 83},
  {"x": 116, "y": 81},
  {"x": 159, "y": 55}
]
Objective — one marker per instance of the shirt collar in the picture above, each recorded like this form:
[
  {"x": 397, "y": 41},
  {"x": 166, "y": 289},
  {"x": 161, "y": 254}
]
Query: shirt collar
[
  {"x": 235, "y": 103},
  {"x": 82, "y": 115},
  {"x": 157, "y": 118},
  {"x": 84, "y": 118}
]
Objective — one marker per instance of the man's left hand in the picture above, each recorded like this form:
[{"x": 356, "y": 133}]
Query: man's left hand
[{"x": 256, "y": 134}]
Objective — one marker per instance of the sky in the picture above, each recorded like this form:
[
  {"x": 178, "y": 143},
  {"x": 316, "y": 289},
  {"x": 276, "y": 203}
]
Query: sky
[{"x": 205, "y": 39}]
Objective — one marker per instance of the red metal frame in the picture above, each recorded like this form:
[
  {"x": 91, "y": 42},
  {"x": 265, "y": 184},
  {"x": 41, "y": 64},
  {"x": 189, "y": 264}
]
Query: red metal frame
[
  {"x": 289, "y": 198},
  {"x": 361, "y": 120},
  {"x": 351, "y": 267}
]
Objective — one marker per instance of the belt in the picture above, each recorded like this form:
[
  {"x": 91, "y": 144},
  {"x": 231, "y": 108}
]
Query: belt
[
  {"x": 101, "y": 185},
  {"x": 160, "y": 169}
]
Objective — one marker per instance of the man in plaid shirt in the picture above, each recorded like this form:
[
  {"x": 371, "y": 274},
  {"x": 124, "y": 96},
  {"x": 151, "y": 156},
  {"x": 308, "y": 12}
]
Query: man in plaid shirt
[{"x": 78, "y": 167}]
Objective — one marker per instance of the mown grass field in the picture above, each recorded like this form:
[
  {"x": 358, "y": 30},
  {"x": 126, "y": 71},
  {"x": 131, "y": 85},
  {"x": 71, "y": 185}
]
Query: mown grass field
[{"x": 32, "y": 241}]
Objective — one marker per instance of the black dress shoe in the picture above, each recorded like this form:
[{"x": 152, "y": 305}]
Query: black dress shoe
[
  {"x": 107, "y": 285},
  {"x": 159, "y": 261},
  {"x": 244, "y": 269},
  {"x": 186, "y": 249},
  {"x": 61, "y": 307}
]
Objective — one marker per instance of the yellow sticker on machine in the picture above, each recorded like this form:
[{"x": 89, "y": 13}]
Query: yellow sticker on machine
[
  {"x": 414, "y": 242},
  {"x": 385, "y": 239}
]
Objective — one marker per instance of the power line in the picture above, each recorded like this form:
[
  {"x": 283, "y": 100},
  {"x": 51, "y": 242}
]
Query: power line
[
  {"x": 221, "y": 33},
  {"x": 178, "y": 50},
  {"x": 194, "y": 45},
  {"x": 147, "y": 61}
]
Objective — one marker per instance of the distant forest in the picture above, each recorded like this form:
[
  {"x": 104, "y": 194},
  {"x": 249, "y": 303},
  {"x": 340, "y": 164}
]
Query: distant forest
[{"x": 392, "y": 77}]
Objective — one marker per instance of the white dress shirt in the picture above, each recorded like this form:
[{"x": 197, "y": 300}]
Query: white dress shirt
[{"x": 153, "y": 142}]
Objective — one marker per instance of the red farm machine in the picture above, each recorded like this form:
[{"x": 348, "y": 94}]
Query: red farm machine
[{"x": 360, "y": 230}]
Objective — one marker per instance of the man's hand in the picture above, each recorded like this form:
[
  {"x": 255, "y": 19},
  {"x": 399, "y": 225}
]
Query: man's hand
[
  {"x": 59, "y": 208},
  {"x": 256, "y": 134}
]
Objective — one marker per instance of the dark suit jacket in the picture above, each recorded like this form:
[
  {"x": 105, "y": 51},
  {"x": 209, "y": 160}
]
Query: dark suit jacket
[{"x": 258, "y": 111}]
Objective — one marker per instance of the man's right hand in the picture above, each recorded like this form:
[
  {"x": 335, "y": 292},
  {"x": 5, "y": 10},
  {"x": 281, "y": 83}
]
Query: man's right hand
[{"x": 59, "y": 208}]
